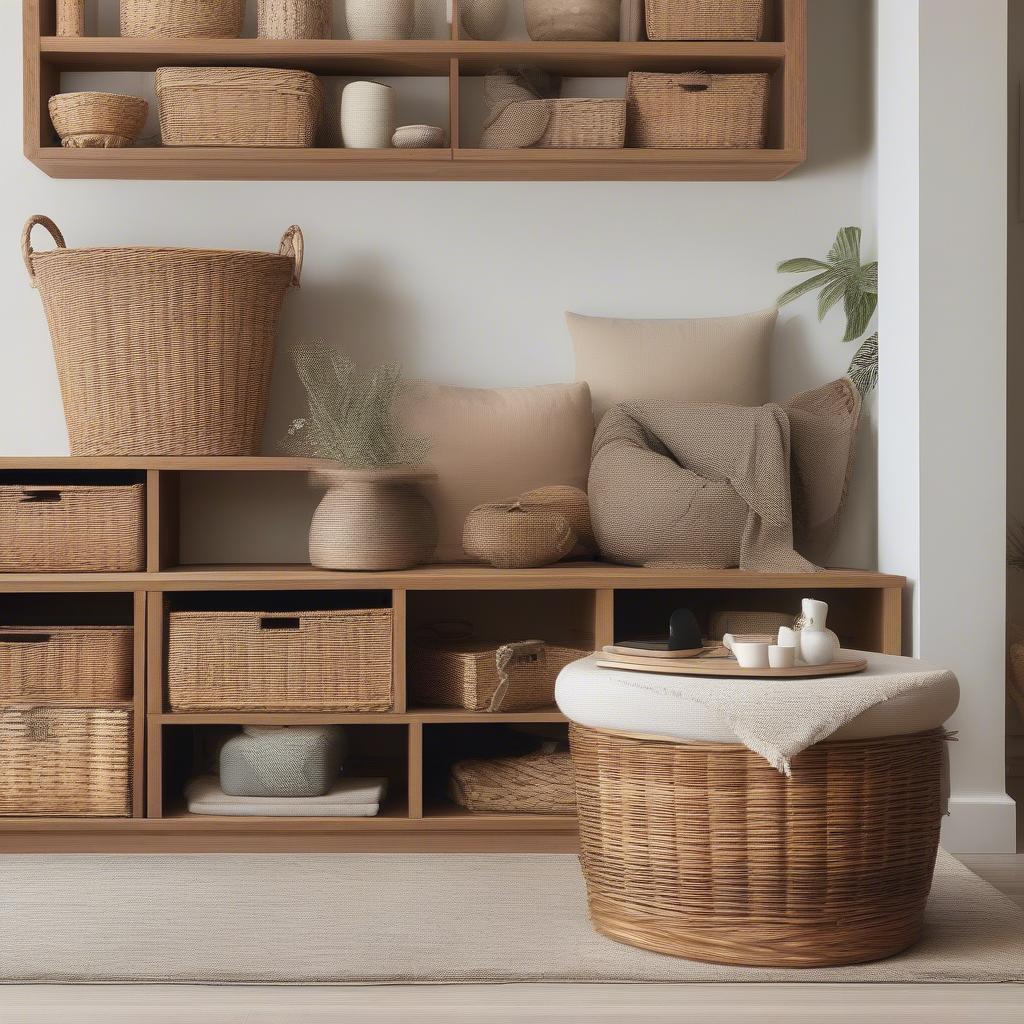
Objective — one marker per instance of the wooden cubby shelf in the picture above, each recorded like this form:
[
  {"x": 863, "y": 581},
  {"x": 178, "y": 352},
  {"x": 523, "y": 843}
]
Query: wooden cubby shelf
[
  {"x": 783, "y": 55},
  {"x": 588, "y": 604}
]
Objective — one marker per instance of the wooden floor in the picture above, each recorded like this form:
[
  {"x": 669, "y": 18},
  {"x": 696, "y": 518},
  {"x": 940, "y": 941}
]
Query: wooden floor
[{"x": 533, "y": 1004}]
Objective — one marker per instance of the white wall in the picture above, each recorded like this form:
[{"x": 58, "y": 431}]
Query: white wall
[{"x": 467, "y": 282}]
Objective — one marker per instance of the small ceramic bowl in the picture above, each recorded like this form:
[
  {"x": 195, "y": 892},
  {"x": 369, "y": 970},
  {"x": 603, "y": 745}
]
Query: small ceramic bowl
[
  {"x": 418, "y": 136},
  {"x": 750, "y": 654}
]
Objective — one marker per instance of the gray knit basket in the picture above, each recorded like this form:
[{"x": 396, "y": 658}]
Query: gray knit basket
[{"x": 295, "y": 760}]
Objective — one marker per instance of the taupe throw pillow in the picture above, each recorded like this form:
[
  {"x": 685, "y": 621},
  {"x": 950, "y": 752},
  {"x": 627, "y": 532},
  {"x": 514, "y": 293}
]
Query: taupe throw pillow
[{"x": 717, "y": 360}]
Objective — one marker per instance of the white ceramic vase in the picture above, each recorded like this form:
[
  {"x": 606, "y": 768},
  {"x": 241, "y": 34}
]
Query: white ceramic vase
[
  {"x": 818, "y": 645},
  {"x": 380, "y": 19},
  {"x": 367, "y": 115},
  {"x": 483, "y": 19}
]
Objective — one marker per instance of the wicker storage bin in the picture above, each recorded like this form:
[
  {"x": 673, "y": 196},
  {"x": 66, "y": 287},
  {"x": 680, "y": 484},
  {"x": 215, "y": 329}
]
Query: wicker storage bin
[
  {"x": 65, "y": 760},
  {"x": 695, "y": 110},
  {"x": 75, "y": 528},
  {"x": 182, "y": 19},
  {"x": 238, "y": 107},
  {"x": 294, "y": 19},
  {"x": 163, "y": 351},
  {"x": 338, "y": 660},
  {"x": 483, "y": 675},
  {"x": 703, "y": 850},
  {"x": 100, "y": 120},
  {"x": 65, "y": 663},
  {"x": 538, "y": 783},
  {"x": 571, "y": 124},
  {"x": 706, "y": 19}
]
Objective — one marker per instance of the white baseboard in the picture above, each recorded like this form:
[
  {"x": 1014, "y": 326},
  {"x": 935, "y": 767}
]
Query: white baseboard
[{"x": 986, "y": 823}]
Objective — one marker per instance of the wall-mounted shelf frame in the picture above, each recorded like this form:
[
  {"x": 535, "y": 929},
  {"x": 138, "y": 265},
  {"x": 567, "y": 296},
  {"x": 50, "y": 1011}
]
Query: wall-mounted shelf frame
[
  {"x": 589, "y": 603},
  {"x": 784, "y": 56}
]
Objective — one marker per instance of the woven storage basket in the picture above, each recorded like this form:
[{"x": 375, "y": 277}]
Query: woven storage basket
[
  {"x": 294, "y": 19},
  {"x": 65, "y": 760},
  {"x": 482, "y": 675},
  {"x": 238, "y": 107},
  {"x": 338, "y": 660},
  {"x": 75, "y": 528},
  {"x": 65, "y": 663},
  {"x": 696, "y": 110},
  {"x": 538, "y": 783},
  {"x": 510, "y": 536},
  {"x": 101, "y": 120},
  {"x": 706, "y": 19},
  {"x": 163, "y": 351},
  {"x": 703, "y": 850},
  {"x": 570, "y": 124},
  {"x": 182, "y": 19}
]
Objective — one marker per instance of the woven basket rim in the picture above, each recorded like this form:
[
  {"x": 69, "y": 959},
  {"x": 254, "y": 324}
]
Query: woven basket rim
[
  {"x": 150, "y": 251},
  {"x": 7, "y": 628},
  {"x": 246, "y": 78},
  {"x": 97, "y": 94},
  {"x": 103, "y": 488},
  {"x": 125, "y": 706},
  {"x": 318, "y": 613}
]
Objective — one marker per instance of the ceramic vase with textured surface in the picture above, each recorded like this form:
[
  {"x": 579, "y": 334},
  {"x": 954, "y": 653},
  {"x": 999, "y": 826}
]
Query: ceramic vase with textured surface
[
  {"x": 483, "y": 19},
  {"x": 367, "y": 115},
  {"x": 379, "y": 19},
  {"x": 372, "y": 519},
  {"x": 589, "y": 20}
]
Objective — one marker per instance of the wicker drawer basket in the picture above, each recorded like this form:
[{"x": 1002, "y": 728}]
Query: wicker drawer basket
[
  {"x": 337, "y": 660},
  {"x": 65, "y": 760},
  {"x": 558, "y": 124},
  {"x": 238, "y": 107},
  {"x": 65, "y": 663},
  {"x": 706, "y": 19},
  {"x": 538, "y": 783},
  {"x": 695, "y": 110},
  {"x": 72, "y": 529},
  {"x": 482, "y": 675}
]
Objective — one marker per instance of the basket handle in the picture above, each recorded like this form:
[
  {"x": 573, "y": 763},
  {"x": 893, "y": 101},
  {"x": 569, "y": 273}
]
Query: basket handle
[
  {"x": 506, "y": 658},
  {"x": 292, "y": 245},
  {"x": 25, "y": 638},
  {"x": 26, "y": 241},
  {"x": 694, "y": 81},
  {"x": 41, "y": 496},
  {"x": 280, "y": 622}
]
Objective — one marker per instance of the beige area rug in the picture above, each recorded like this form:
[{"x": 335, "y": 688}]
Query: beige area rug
[{"x": 361, "y": 918}]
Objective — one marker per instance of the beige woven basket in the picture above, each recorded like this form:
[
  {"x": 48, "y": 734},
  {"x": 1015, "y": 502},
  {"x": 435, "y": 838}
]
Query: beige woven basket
[
  {"x": 706, "y": 19},
  {"x": 696, "y": 110},
  {"x": 338, "y": 660},
  {"x": 483, "y": 675},
  {"x": 511, "y": 536},
  {"x": 73, "y": 528},
  {"x": 294, "y": 19},
  {"x": 538, "y": 783},
  {"x": 65, "y": 663},
  {"x": 163, "y": 351},
  {"x": 100, "y": 120},
  {"x": 557, "y": 124},
  {"x": 703, "y": 850},
  {"x": 65, "y": 760},
  {"x": 182, "y": 19},
  {"x": 238, "y": 107}
]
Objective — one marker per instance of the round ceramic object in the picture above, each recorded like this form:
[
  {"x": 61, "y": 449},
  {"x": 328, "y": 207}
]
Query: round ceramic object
[
  {"x": 418, "y": 136},
  {"x": 589, "y": 20},
  {"x": 483, "y": 19},
  {"x": 379, "y": 19},
  {"x": 372, "y": 520},
  {"x": 367, "y": 115}
]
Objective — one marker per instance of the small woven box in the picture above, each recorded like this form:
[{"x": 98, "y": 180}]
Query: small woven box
[{"x": 537, "y": 783}]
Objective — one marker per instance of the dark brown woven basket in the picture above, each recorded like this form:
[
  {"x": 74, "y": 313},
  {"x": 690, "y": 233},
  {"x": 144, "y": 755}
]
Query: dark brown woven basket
[{"x": 703, "y": 850}]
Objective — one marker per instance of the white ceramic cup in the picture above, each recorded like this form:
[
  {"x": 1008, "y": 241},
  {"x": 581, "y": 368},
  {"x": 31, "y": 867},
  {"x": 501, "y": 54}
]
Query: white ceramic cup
[
  {"x": 367, "y": 115},
  {"x": 781, "y": 656},
  {"x": 750, "y": 654}
]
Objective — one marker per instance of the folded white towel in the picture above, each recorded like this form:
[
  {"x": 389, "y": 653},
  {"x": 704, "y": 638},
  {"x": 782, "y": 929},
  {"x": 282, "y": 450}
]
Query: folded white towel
[{"x": 347, "y": 798}]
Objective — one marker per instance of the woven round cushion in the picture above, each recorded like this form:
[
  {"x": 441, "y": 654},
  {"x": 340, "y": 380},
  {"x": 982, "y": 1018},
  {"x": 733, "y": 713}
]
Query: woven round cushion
[
  {"x": 607, "y": 699},
  {"x": 570, "y": 502},
  {"x": 511, "y": 536}
]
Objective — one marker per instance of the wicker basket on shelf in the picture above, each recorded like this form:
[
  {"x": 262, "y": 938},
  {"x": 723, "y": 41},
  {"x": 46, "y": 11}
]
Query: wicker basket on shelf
[
  {"x": 65, "y": 760},
  {"x": 73, "y": 528},
  {"x": 705, "y": 851},
  {"x": 332, "y": 660},
  {"x": 537, "y": 783},
  {"x": 163, "y": 351},
  {"x": 696, "y": 110},
  {"x": 238, "y": 107},
  {"x": 97, "y": 120},
  {"x": 294, "y": 19},
  {"x": 557, "y": 124},
  {"x": 182, "y": 19},
  {"x": 484, "y": 675},
  {"x": 706, "y": 19},
  {"x": 65, "y": 663}
]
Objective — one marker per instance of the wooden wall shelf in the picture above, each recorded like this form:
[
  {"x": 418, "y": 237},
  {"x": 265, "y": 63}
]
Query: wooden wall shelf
[
  {"x": 585, "y": 603},
  {"x": 784, "y": 56}
]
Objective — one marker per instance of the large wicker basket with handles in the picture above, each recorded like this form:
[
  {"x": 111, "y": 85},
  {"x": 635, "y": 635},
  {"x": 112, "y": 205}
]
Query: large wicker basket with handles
[
  {"x": 705, "y": 851},
  {"x": 706, "y": 19},
  {"x": 163, "y": 351},
  {"x": 696, "y": 110}
]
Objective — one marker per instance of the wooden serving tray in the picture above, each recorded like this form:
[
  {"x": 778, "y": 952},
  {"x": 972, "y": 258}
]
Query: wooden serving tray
[
  {"x": 729, "y": 669},
  {"x": 653, "y": 649}
]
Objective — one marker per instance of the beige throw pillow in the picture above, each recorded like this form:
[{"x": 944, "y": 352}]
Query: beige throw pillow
[
  {"x": 720, "y": 360},
  {"x": 490, "y": 444}
]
